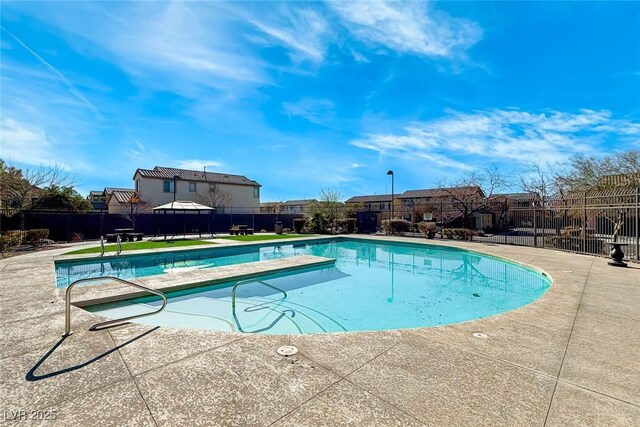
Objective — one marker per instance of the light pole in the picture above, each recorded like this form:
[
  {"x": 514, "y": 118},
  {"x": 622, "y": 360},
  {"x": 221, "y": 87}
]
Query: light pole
[
  {"x": 391, "y": 217},
  {"x": 175, "y": 178}
]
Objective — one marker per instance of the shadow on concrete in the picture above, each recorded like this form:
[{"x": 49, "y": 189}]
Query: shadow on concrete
[{"x": 32, "y": 376}]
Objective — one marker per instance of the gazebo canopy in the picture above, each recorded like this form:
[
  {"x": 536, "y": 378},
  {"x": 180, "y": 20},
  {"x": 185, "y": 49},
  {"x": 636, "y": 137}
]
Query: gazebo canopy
[{"x": 183, "y": 206}]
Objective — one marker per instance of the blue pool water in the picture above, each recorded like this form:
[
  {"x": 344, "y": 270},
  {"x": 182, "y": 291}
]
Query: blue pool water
[{"x": 372, "y": 286}]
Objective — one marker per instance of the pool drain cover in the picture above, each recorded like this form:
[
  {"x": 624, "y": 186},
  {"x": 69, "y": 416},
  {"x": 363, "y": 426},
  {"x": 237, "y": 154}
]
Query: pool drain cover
[
  {"x": 480, "y": 335},
  {"x": 287, "y": 350}
]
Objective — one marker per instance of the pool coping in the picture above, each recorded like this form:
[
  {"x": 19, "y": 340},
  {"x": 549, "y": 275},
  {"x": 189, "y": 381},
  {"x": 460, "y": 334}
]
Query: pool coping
[
  {"x": 111, "y": 292},
  {"x": 568, "y": 357}
]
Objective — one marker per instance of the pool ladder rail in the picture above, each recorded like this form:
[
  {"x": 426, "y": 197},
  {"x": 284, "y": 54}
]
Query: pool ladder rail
[
  {"x": 261, "y": 305},
  {"x": 67, "y": 307},
  {"x": 118, "y": 244}
]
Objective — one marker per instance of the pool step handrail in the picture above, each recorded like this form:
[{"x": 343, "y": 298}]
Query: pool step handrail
[
  {"x": 119, "y": 244},
  {"x": 67, "y": 305},
  {"x": 246, "y": 282},
  {"x": 101, "y": 246}
]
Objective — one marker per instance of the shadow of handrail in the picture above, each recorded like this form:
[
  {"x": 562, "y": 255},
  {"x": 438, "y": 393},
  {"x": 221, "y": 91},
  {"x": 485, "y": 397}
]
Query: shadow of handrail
[{"x": 31, "y": 375}]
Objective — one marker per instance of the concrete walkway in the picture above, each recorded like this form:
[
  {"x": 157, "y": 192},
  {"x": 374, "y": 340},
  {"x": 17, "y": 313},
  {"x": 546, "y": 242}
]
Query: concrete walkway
[{"x": 570, "y": 358}]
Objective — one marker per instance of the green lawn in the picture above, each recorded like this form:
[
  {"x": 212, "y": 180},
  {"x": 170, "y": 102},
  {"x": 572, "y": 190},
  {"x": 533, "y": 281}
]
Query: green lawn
[
  {"x": 135, "y": 246},
  {"x": 256, "y": 237}
]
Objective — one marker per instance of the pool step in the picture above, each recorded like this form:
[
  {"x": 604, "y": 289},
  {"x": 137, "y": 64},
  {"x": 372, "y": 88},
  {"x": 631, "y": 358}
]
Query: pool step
[{"x": 109, "y": 292}]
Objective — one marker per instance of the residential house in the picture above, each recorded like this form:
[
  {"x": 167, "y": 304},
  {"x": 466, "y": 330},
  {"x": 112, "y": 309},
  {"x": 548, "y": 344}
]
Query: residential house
[
  {"x": 100, "y": 198},
  {"x": 97, "y": 199},
  {"x": 126, "y": 201},
  {"x": 443, "y": 205},
  {"x": 513, "y": 209},
  {"x": 294, "y": 207},
  {"x": 379, "y": 204},
  {"x": 226, "y": 192},
  {"x": 303, "y": 206}
]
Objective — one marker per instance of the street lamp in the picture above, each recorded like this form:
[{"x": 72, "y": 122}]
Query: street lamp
[
  {"x": 391, "y": 217},
  {"x": 175, "y": 178}
]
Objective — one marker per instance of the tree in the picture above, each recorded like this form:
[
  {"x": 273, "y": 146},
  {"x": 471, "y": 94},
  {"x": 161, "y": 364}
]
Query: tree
[
  {"x": 590, "y": 173},
  {"x": 469, "y": 193},
  {"x": 330, "y": 206},
  {"x": 540, "y": 181},
  {"x": 274, "y": 207},
  {"x": 214, "y": 197},
  {"x": 54, "y": 197},
  {"x": 135, "y": 204},
  {"x": 20, "y": 186}
]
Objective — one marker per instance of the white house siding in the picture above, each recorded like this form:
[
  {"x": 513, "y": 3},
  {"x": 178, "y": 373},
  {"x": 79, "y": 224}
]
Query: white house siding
[{"x": 242, "y": 196}]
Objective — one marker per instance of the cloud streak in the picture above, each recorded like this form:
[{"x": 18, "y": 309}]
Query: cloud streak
[
  {"x": 70, "y": 86},
  {"x": 550, "y": 137}
]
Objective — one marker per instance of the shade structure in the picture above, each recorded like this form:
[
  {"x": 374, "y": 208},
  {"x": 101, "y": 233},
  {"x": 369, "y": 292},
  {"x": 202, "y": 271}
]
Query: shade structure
[{"x": 183, "y": 206}]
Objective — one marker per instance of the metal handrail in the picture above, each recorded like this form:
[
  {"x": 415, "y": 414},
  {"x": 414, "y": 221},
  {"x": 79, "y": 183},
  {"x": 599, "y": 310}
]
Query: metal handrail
[
  {"x": 67, "y": 307},
  {"x": 119, "y": 244},
  {"x": 244, "y": 282},
  {"x": 101, "y": 246}
]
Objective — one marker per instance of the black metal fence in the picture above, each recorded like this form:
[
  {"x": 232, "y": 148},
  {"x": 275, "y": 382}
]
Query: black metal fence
[
  {"x": 582, "y": 223},
  {"x": 68, "y": 225}
]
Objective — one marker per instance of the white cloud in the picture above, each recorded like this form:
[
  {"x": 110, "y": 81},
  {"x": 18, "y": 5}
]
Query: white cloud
[
  {"x": 521, "y": 136},
  {"x": 199, "y": 164},
  {"x": 314, "y": 110},
  {"x": 24, "y": 144},
  {"x": 302, "y": 30},
  {"x": 407, "y": 27}
]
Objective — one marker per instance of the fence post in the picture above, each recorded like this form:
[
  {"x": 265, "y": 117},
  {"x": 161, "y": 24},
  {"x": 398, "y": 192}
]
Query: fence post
[
  {"x": 584, "y": 222},
  {"x": 68, "y": 224},
  {"x": 637, "y": 223},
  {"x": 535, "y": 227}
]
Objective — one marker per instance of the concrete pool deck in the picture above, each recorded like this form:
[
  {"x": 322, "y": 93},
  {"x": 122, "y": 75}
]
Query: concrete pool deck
[{"x": 569, "y": 358}]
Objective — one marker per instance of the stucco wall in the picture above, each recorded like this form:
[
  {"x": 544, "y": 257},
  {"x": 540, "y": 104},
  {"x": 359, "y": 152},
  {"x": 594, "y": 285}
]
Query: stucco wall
[{"x": 152, "y": 191}]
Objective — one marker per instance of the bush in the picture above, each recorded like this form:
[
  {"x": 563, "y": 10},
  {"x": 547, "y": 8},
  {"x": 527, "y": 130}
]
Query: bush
[
  {"x": 318, "y": 223},
  {"x": 396, "y": 226},
  {"x": 298, "y": 224},
  {"x": 576, "y": 244},
  {"x": 457, "y": 233},
  {"x": 10, "y": 238},
  {"x": 351, "y": 225},
  {"x": 427, "y": 228},
  {"x": 37, "y": 235},
  {"x": 77, "y": 237}
]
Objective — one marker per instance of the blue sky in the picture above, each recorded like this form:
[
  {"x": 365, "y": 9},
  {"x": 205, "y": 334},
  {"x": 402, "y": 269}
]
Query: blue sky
[{"x": 303, "y": 96}]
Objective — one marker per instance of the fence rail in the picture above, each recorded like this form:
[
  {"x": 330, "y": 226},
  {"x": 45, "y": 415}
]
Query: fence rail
[{"x": 582, "y": 223}]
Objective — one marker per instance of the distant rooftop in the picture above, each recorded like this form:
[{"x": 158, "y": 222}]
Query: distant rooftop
[
  {"x": 299, "y": 202},
  {"x": 370, "y": 198},
  {"x": 161, "y": 172},
  {"x": 438, "y": 192},
  {"x": 516, "y": 197}
]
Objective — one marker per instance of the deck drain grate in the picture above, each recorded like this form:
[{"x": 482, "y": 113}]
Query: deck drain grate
[
  {"x": 287, "y": 350},
  {"x": 480, "y": 335}
]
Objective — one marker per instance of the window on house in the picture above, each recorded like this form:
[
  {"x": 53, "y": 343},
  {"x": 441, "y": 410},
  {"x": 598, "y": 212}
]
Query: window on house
[
  {"x": 192, "y": 187},
  {"x": 137, "y": 185},
  {"x": 256, "y": 192},
  {"x": 168, "y": 186}
]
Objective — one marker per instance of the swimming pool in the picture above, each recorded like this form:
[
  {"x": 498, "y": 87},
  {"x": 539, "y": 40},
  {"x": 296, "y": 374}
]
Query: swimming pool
[{"x": 372, "y": 286}]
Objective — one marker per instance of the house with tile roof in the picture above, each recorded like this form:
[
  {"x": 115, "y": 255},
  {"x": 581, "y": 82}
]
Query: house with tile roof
[
  {"x": 225, "y": 192},
  {"x": 111, "y": 199},
  {"x": 438, "y": 204},
  {"x": 378, "y": 204}
]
